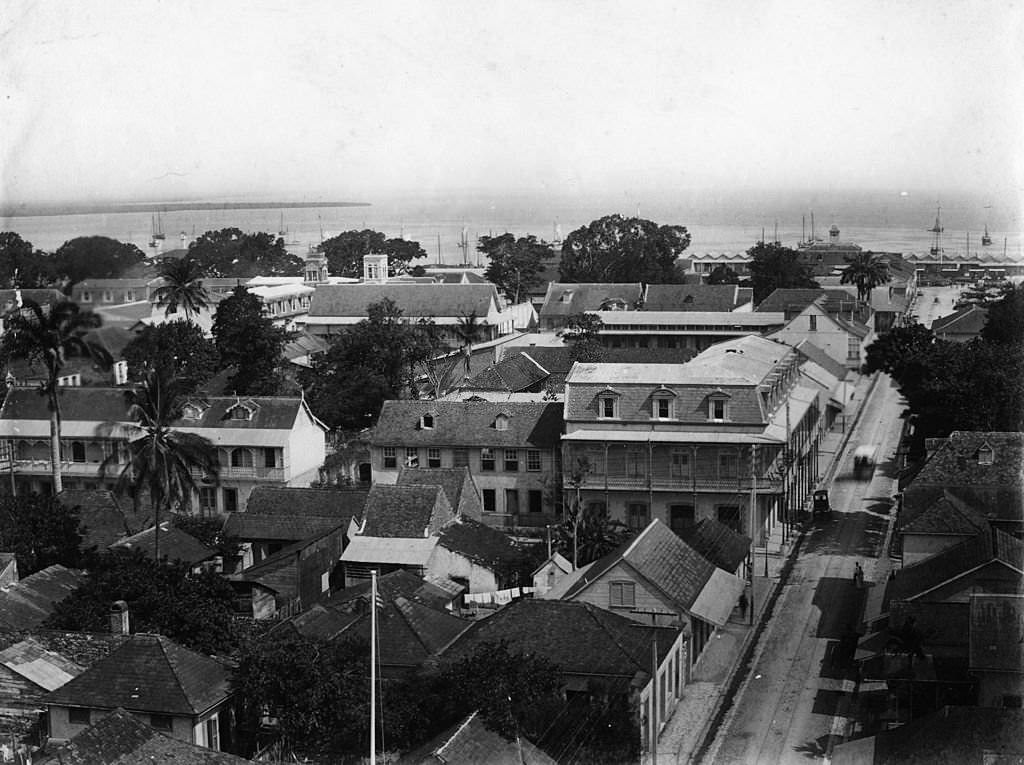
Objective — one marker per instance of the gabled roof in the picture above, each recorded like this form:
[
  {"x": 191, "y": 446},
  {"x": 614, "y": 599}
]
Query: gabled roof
[
  {"x": 149, "y": 673},
  {"x": 580, "y": 638},
  {"x": 279, "y": 527},
  {"x": 564, "y": 300},
  {"x": 955, "y": 463},
  {"x": 997, "y": 633},
  {"x": 30, "y": 601},
  {"x": 471, "y": 742},
  {"x": 102, "y": 518},
  {"x": 789, "y": 299},
  {"x": 479, "y": 543},
  {"x": 513, "y": 373},
  {"x": 718, "y": 543},
  {"x": 414, "y": 300},
  {"x": 469, "y": 423},
  {"x": 966, "y": 321},
  {"x": 392, "y": 585},
  {"x": 306, "y": 502},
  {"x": 670, "y": 565},
  {"x": 457, "y": 482},
  {"x": 696, "y": 297},
  {"x": 813, "y": 353},
  {"x": 946, "y": 515},
  {"x": 404, "y": 511},
  {"x": 47, "y": 669},
  {"x": 175, "y": 545},
  {"x": 320, "y": 623},
  {"x": 990, "y": 546},
  {"x": 121, "y": 738}
]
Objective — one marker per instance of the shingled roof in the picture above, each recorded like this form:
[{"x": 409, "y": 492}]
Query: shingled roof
[
  {"x": 175, "y": 545},
  {"x": 581, "y": 639},
  {"x": 278, "y": 527},
  {"x": 103, "y": 520},
  {"x": 514, "y": 374},
  {"x": 435, "y": 299},
  {"x": 479, "y": 543},
  {"x": 149, "y": 673},
  {"x": 471, "y": 742},
  {"x": 563, "y": 300},
  {"x": 121, "y": 738},
  {"x": 469, "y": 423},
  {"x": 405, "y": 511},
  {"x": 945, "y": 515},
  {"x": 988, "y": 547},
  {"x": 959, "y": 461},
  {"x": 719, "y": 544},
  {"x": 29, "y": 602},
  {"x": 397, "y": 583},
  {"x": 306, "y": 502},
  {"x": 696, "y": 297},
  {"x": 457, "y": 482},
  {"x": 967, "y": 321}
]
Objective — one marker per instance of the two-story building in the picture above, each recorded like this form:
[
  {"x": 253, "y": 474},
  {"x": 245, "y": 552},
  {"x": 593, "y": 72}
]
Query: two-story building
[
  {"x": 260, "y": 441},
  {"x": 510, "y": 448},
  {"x": 730, "y": 435}
]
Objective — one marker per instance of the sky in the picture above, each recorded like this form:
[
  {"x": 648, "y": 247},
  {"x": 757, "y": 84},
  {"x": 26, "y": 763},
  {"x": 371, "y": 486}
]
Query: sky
[{"x": 143, "y": 100}]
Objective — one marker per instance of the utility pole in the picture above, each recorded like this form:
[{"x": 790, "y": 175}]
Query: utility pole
[{"x": 753, "y": 524}]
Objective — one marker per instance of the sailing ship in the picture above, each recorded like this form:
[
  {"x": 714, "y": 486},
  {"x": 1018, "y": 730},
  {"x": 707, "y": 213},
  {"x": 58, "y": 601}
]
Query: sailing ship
[
  {"x": 283, "y": 233},
  {"x": 936, "y": 249},
  {"x": 986, "y": 240},
  {"x": 158, "y": 231}
]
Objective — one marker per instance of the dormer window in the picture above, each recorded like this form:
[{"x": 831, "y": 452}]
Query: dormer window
[
  {"x": 718, "y": 406},
  {"x": 243, "y": 410},
  {"x": 608, "y": 404},
  {"x": 986, "y": 454},
  {"x": 427, "y": 422},
  {"x": 662, "y": 404},
  {"x": 501, "y": 421},
  {"x": 566, "y": 296},
  {"x": 193, "y": 410}
]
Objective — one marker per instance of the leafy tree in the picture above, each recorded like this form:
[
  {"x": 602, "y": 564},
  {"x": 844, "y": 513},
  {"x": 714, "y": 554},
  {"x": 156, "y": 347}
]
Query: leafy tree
[
  {"x": 209, "y": 531},
  {"x": 867, "y": 270},
  {"x": 96, "y": 257},
  {"x": 468, "y": 330},
  {"x": 582, "y": 333},
  {"x": 891, "y": 351},
  {"x": 250, "y": 342},
  {"x": 318, "y": 692},
  {"x": 40, "y": 531},
  {"x": 192, "y": 609},
  {"x": 346, "y": 250},
  {"x": 515, "y": 264},
  {"x": 722, "y": 274},
  {"x": 182, "y": 287},
  {"x": 161, "y": 460},
  {"x": 366, "y": 365},
  {"x": 591, "y": 533},
  {"x": 181, "y": 346},
  {"x": 1005, "y": 323},
  {"x": 617, "y": 249},
  {"x": 773, "y": 267},
  {"x": 21, "y": 265},
  {"x": 514, "y": 691},
  {"x": 230, "y": 252},
  {"x": 47, "y": 337}
]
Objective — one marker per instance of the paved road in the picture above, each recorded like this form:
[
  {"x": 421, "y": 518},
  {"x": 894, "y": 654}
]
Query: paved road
[
  {"x": 785, "y": 711},
  {"x": 927, "y": 309}
]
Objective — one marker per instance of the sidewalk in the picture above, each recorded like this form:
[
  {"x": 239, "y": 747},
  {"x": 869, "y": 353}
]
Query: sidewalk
[{"x": 716, "y": 672}]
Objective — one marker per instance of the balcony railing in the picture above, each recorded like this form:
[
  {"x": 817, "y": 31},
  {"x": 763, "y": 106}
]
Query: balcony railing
[
  {"x": 680, "y": 484},
  {"x": 256, "y": 473},
  {"x": 67, "y": 467}
]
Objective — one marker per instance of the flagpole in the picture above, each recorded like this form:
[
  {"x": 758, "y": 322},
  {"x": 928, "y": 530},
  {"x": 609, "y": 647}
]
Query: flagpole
[{"x": 373, "y": 667}]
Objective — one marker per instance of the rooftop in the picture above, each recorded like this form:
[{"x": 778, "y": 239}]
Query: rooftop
[{"x": 469, "y": 423}]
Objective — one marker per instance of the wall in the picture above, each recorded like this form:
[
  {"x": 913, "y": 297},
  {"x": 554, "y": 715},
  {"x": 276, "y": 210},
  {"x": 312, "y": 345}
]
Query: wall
[
  {"x": 306, "y": 450},
  {"x": 647, "y": 599},
  {"x": 61, "y": 729},
  {"x": 672, "y": 676},
  {"x": 445, "y": 563}
]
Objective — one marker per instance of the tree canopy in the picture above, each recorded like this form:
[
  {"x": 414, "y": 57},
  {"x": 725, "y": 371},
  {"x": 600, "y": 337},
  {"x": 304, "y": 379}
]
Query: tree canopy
[
  {"x": 181, "y": 345},
  {"x": 367, "y": 364},
  {"x": 40, "y": 531},
  {"x": 722, "y": 274},
  {"x": 773, "y": 267},
  {"x": 95, "y": 257},
  {"x": 231, "y": 252},
  {"x": 515, "y": 264},
  {"x": 21, "y": 265},
  {"x": 192, "y": 609},
  {"x": 618, "y": 249},
  {"x": 866, "y": 270},
  {"x": 249, "y": 342},
  {"x": 346, "y": 250},
  {"x": 582, "y": 334},
  {"x": 1005, "y": 323},
  {"x": 181, "y": 287}
]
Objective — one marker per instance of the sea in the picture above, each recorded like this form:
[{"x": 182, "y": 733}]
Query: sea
[{"x": 718, "y": 222}]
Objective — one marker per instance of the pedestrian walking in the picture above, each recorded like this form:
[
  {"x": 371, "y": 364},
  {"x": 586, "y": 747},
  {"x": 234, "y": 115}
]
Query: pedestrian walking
[{"x": 858, "y": 575}]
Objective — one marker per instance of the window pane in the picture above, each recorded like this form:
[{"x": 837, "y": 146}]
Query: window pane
[
  {"x": 512, "y": 460},
  {"x": 412, "y": 458},
  {"x": 490, "y": 501},
  {"x": 486, "y": 459},
  {"x": 533, "y": 460},
  {"x": 460, "y": 458},
  {"x": 434, "y": 457},
  {"x": 390, "y": 460}
]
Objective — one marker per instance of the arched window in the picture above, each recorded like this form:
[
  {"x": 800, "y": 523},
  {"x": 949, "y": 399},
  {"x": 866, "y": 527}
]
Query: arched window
[{"x": 241, "y": 458}]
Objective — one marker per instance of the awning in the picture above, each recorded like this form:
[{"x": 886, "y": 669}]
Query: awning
[
  {"x": 662, "y": 437},
  {"x": 718, "y": 597}
]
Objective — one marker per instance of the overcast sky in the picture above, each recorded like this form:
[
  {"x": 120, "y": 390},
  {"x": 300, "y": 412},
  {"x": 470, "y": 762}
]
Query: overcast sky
[{"x": 150, "y": 100}]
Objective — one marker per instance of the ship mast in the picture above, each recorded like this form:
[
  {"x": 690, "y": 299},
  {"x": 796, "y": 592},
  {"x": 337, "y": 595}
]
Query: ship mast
[{"x": 937, "y": 230}]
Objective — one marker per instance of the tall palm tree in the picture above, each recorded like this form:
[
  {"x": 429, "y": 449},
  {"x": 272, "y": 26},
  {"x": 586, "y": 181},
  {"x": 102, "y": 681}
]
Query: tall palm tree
[
  {"x": 867, "y": 270},
  {"x": 162, "y": 461},
  {"x": 468, "y": 330},
  {"x": 182, "y": 286},
  {"x": 47, "y": 335}
]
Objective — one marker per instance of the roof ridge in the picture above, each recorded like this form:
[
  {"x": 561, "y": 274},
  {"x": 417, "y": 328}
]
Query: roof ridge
[{"x": 591, "y": 611}]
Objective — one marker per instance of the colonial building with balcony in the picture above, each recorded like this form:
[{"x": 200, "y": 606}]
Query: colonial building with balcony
[
  {"x": 730, "y": 435},
  {"x": 260, "y": 441},
  {"x": 510, "y": 448}
]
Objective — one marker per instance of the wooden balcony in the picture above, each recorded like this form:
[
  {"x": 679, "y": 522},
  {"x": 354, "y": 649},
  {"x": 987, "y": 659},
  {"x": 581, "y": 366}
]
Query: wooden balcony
[{"x": 702, "y": 483}]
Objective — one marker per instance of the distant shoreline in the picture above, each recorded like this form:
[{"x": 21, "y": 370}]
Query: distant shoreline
[{"x": 44, "y": 211}]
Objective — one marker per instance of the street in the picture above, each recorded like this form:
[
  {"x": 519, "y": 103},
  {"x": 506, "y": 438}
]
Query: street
[{"x": 790, "y": 705}]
